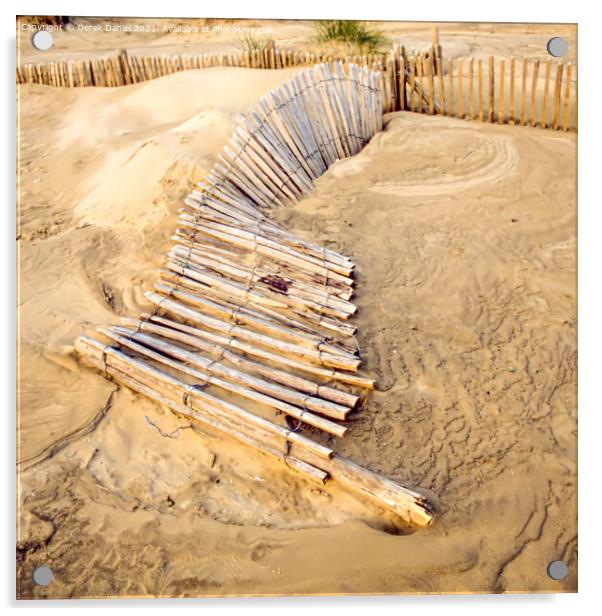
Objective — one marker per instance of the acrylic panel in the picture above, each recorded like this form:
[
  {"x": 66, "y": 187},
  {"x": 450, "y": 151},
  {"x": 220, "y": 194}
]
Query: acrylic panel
[{"x": 296, "y": 307}]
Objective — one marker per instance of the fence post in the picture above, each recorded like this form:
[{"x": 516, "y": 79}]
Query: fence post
[
  {"x": 402, "y": 80},
  {"x": 576, "y": 111},
  {"x": 480, "y": 89},
  {"x": 123, "y": 61},
  {"x": 534, "y": 93},
  {"x": 512, "y": 90},
  {"x": 435, "y": 42},
  {"x": 412, "y": 81},
  {"x": 501, "y": 101},
  {"x": 491, "y": 90},
  {"x": 567, "y": 95},
  {"x": 470, "y": 89},
  {"x": 392, "y": 79},
  {"x": 460, "y": 89},
  {"x": 419, "y": 72},
  {"x": 450, "y": 75},
  {"x": 546, "y": 89},
  {"x": 439, "y": 71},
  {"x": 430, "y": 63},
  {"x": 523, "y": 92},
  {"x": 557, "y": 94},
  {"x": 272, "y": 53}
]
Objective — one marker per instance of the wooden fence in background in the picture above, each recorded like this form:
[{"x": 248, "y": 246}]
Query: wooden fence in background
[
  {"x": 519, "y": 91},
  {"x": 512, "y": 90},
  {"x": 125, "y": 68}
]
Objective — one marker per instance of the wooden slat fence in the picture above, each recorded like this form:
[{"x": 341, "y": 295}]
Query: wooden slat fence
[
  {"x": 249, "y": 324},
  {"x": 519, "y": 91},
  {"x": 125, "y": 68}
]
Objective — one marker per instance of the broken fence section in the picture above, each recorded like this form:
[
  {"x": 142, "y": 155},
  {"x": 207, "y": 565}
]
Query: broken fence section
[{"x": 249, "y": 331}]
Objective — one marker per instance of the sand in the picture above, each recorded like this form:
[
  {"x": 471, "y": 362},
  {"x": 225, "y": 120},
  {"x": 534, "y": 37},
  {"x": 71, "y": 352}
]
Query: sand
[{"x": 464, "y": 238}]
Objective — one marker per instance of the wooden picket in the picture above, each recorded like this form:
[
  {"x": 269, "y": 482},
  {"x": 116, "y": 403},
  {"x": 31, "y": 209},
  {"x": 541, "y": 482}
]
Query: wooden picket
[
  {"x": 495, "y": 90},
  {"x": 520, "y": 91}
]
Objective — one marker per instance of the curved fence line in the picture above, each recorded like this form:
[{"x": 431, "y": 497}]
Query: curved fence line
[{"x": 248, "y": 319}]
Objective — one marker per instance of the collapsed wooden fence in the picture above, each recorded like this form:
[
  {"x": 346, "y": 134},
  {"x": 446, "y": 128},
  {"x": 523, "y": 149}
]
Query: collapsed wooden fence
[{"x": 249, "y": 320}]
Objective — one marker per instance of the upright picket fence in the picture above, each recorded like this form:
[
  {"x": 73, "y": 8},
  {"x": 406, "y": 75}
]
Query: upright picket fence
[{"x": 522, "y": 91}]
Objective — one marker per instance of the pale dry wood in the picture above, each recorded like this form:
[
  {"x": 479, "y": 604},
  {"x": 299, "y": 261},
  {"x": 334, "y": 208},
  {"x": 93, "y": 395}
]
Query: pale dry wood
[
  {"x": 254, "y": 321},
  {"x": 109, "y": 359},
  {"x": 408, "y": 504},
  {"x": 480, "y": 90},
  {"x": 349, "y": 102},
  {"x": 412, "y": 82},
  {"x": 234, "y": 331},
  {"x": 189, "y": 335},
  {"x": 70, "y": 74},
  {"x": 419, "y": 72},
  {"x": 269, "y": 248},
  {"x": 239, "y": 156},
  {"x": 512, "y": 93},
  {"x": 575, "y": 102},
  {"x": 523, "y": 93},
  {"x": 470, "y": 93},
  {"x": 277, "y": 320},
  {"x": 259, "y": 277},
  {"x": 502, "y": 100},
  {"x": 293, "y": 123},
  {"x": 293, "y": 313},
  {"x": 389, "y": 85},
  {"x": 271, "y": 236},
  {"x": 326, "y": 106},
  {"x": 338, "y": 110},
  {"x": 214, "y": 367},
  {"x": 245, "y": 293},
  {"x": 435, "y": 47},
  {"x": 264, "y": 300},
  {"x": 401, "y": 85},
  {"x": 320, "y": 284},
  {"x": 278, "y": 151},
  {"x": 460, "y": 113},
  {"x": 307, "y": 470},
  {"x": 567, "y": 97},
  {"x": 431, "y": 85},
  {"x": 207, "y": 377},
  {"x": 490, "y": 110},
  {"x": 329, "y": 374},
  {"x": 246, "y": 145},
  {"x": 327, "y": 147},
  {"x": 305, "y": 102},
  {"x": 223, "y": 426},
  {"x": 546, "y": 93},
  {"x": 450, "y": 77},
  {"x": 557, "y": 96},
  {"x": 270, "y": 126},
  {"x": 534, "y": 83},
  {"x": 441, "y": 81}
]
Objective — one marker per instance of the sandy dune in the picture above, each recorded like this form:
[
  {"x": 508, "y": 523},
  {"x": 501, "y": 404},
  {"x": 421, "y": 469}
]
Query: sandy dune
[{"x": 464, "y": 239}]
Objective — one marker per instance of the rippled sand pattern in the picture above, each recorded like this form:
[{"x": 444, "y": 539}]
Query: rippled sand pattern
[{"x": 464, "y": 239}]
